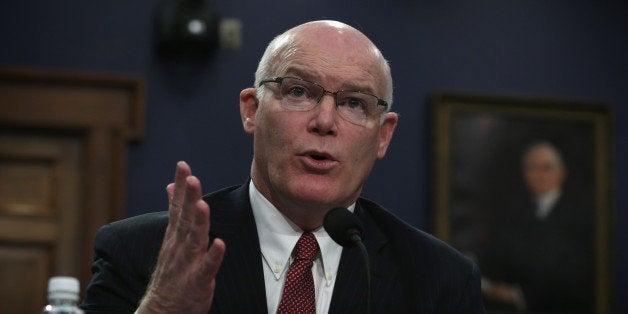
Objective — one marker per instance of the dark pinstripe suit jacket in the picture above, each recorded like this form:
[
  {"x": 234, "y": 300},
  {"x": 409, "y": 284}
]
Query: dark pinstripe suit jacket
[{"x": 412, "y": 272}]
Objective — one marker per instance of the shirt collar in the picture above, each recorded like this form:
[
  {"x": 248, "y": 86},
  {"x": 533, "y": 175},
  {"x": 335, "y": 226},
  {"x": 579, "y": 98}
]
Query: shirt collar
[
  {"x": 278, "y": 236},
  {"x": 545, "y": 203}
]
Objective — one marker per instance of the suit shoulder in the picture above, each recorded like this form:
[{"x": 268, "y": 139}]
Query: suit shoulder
[
  {"x": 154, "y": 224},
  {"x": 407, "y": 238},
  {"x": 146, "y": 229},
  {"x": 228, "y": 194},
  {"x": 433, "y": 276},
  {"x": 140, "y": 224}
]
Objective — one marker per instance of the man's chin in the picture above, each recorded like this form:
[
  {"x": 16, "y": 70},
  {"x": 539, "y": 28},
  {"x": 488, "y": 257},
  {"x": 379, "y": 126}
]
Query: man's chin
[{"x": 324, "y": 197}]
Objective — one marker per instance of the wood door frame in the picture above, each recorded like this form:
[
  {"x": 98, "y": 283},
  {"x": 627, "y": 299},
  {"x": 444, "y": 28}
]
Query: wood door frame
[{"x": 106, "y": 110}]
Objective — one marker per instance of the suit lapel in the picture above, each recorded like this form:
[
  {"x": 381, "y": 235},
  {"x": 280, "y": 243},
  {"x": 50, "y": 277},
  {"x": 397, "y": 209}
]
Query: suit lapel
[
  {"x": 350, "y": 289},
  {"x": 240, "y": 284}
]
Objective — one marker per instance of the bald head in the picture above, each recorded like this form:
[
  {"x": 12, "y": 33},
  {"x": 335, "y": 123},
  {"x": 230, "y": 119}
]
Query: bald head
[{"x": 323, "y": 40}]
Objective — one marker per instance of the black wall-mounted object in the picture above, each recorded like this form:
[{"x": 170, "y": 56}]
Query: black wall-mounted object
[{"x": 186, "y": 28}]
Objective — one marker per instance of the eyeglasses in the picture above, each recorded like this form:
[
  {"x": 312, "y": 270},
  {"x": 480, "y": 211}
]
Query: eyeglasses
[{"x": 301, "y": 95}]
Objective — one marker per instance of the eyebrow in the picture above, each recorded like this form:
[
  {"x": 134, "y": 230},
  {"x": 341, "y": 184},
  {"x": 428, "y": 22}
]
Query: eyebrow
[
  {"x": 302, "y": 74},
  {"x": 306, "y": 75}
]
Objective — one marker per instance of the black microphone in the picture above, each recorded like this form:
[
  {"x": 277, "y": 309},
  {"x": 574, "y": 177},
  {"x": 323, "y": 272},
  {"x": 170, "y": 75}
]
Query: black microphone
[
  {"x": 346, "y": 230},
  {"x": 343, "y": 227}
]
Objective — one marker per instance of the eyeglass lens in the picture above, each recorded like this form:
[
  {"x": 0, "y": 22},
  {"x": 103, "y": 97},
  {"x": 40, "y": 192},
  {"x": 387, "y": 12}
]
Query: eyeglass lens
[{"x": 357, "y": 107}]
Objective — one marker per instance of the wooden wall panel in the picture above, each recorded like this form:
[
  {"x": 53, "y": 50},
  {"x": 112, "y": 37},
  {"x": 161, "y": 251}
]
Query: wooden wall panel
[
  {"x": 20, "y": 265},
  {"x": 63, "y": 139}
]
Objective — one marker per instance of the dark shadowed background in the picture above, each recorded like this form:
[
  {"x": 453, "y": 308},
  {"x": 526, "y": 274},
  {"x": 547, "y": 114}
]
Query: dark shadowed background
[{"x": 574, "y": 50}]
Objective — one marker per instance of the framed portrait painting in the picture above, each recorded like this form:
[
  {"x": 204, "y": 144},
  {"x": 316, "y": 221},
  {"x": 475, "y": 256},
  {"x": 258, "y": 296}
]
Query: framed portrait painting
[{"x": 523, "y": 187}]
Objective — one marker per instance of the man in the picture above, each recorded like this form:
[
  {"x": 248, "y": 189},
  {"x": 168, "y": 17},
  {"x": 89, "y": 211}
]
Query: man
[
  {"x": 313, "y": 150},
  {"x": 544, "y": 174},
  {"x": 542, "y": 257}
]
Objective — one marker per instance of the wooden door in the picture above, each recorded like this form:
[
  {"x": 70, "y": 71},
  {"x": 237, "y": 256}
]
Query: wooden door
[{"x": 63, "y": 140}]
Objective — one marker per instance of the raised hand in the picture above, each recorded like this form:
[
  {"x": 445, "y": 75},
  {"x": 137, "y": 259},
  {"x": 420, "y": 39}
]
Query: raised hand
[{"x": 184, "y": 278}]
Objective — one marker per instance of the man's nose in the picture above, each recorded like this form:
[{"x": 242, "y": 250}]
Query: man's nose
[{"x": 326, "y": 114}]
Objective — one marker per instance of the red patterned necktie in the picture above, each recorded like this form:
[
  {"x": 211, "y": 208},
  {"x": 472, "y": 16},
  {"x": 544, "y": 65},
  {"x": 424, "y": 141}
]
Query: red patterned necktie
[{"x": 298, "y": 291}]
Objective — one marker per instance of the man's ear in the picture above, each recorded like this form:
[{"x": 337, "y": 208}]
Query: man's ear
[
  {"x": 248, "y": 107},
  {"x": 386, "y": 132}
]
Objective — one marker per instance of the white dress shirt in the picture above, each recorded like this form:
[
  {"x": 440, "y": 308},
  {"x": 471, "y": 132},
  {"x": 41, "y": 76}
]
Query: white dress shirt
[
  {"x": 278, "y": 236},
  {"x": 545, "y": 203}
]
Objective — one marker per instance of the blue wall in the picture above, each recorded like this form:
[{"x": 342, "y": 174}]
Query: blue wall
[{"x": 563, "y": 49}]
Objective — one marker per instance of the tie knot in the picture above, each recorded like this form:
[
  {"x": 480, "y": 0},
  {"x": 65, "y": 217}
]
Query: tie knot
[{"x": 306, "y": 248}]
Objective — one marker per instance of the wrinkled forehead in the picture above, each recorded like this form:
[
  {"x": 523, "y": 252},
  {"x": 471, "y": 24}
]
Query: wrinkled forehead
[{"x": 328, "y": 49}]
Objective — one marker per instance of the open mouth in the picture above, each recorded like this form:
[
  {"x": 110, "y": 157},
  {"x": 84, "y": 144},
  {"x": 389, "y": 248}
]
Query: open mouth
[
  {"x": 319, "y": 161},
  {"x": 318, "y": 157}
]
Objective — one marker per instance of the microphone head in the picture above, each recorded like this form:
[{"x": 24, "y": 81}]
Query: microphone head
[{"x": 343, "y": 226}]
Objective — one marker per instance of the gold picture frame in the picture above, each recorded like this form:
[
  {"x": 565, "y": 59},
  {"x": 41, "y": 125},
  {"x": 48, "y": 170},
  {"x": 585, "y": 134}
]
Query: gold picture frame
[{"x": 482, "y": 181}]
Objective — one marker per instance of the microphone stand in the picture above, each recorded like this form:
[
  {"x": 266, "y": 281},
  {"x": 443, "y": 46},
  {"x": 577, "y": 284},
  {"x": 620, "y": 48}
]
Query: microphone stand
[
  {"x": 346, "y": 230},
  {"x": 367, "y": 267}
]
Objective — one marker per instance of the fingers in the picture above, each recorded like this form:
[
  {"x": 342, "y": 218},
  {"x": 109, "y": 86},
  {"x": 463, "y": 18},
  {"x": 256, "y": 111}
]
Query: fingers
[
  {"x": 184, "y": 278},
  {"x": 170, "y": 191},
  {"x": 176, "y": 192},
  {"x": 188, "y": 212},
  {"x": 213, "y": 260},
  {"x": 193, "y": 227}
]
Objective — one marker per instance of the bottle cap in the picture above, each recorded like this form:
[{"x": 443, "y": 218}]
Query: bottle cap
[{"x": 63, "y": 287}]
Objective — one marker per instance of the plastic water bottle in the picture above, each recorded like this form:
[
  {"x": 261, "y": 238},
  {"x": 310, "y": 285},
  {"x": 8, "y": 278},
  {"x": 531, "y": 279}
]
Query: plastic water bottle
[{"x": 63, "y": 296}]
